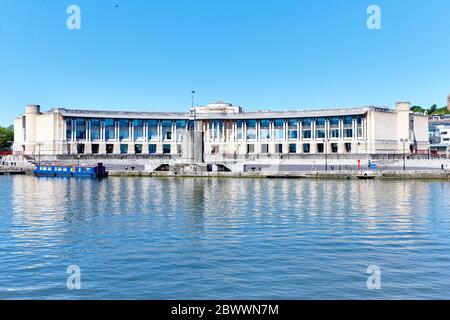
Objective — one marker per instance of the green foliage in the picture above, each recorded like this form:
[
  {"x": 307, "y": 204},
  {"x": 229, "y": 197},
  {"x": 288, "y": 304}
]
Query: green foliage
[
  {"x": 417, "y": 109},
  {"x": 440, "y": 111},
  {"x": 6, "y": 136},
  {"x": 433, "y": 110}
]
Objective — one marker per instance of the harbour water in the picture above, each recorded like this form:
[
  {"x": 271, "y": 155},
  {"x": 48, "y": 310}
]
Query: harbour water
[{"x": 209, "y": 238}]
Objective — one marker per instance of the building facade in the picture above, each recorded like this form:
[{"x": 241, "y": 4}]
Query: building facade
[
  {"x": 220, "y": 131},
  {"x": 448, "y": 102}
]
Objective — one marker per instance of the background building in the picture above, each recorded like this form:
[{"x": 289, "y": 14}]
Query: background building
[{"x": 448, "y": 102}]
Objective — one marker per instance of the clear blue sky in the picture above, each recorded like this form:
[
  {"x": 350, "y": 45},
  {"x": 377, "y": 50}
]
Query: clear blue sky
[{"x": 260, "y": 54}]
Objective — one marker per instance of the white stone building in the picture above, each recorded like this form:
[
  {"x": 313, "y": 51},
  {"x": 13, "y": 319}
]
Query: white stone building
[{"x": 224, "y": 131}]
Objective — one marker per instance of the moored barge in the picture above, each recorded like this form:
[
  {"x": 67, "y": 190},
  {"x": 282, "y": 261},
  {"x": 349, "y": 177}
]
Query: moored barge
[{"x": 98, "y": 171}]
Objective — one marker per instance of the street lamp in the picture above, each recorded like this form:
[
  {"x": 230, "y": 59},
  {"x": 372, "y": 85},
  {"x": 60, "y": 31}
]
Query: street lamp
[
  {"x": 326, "y": 153},
  {"x": 404, "y": 140}
]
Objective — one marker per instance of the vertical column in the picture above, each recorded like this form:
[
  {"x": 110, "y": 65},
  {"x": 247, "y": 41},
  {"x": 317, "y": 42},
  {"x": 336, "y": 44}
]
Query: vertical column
[
  {"x": 313, "y": 130},
  {"x": 145, "y": 132},
  {"x": 244, "y": 131},
  {"x": 257, "y": 128},
  {"x": 158, "y": 131},
  {"x": 300, "y": 130},
  {"x": 174, "y": 131},
  {"x": 233, "y": 131},
  {"x": 73, "y": 135},
  {"x": 64, "y": 130},
  {"x": 272, "y": 131},
  {"x": 131, "y": 131},
  {"x": 88, "y": 133}
]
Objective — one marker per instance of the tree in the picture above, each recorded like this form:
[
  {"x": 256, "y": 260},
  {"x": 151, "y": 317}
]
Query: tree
[
  {"x": 417, "y": 109},
  {"x": 6, "y": 136},
  {"x": 432, "y": 108}
]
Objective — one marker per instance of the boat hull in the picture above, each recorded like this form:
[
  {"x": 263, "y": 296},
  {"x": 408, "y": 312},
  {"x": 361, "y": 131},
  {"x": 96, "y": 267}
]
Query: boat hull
[{"x": 93, "y": 172}]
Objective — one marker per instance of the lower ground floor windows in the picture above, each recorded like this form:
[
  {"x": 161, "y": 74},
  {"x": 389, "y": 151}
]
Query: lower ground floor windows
[
  {"x": 334, "y": 148},
  {"x": 306, "y": 148},
  {"x": 265, "y": 148},
  {"x": 292, "y": 148},
  {"x": 348, "y": 147},
  {"x": 138, "y": 148},
  {"x": 320, "y": 148},
  {"x": 278, "y": 148},
  {"x": 80, "y": 148},
  {"x": 166, "y": 148},
  {"x": 123, "y": 149}
]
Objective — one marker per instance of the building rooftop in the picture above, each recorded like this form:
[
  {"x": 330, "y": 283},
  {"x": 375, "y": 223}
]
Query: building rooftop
[{"x": 218, "y": 110}]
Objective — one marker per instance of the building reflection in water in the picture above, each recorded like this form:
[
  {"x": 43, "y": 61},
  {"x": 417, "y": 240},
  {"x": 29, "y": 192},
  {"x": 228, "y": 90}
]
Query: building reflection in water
[{"x": 46, "y": 205}]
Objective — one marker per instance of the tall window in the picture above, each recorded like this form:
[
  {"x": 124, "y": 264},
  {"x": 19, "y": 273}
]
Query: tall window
[
  {"x": 334, "y": 127},
  {"x": 167, "y": 130},
  {"x": 124, "y": 130},
  {"x": 279, "y": 129},
  {"x": 181, "y": 128},
  {"x": 152, "y": 130},
  {"x": 216, "y": 130},
  {"x": 251, "y": 129},
  {"x": 68, "y": 129},
  {"x": 138, "y": 127},
  {"x": 239, "y": 129},
  {"x": 348, "y": 127},
  {"x": 96, "y": 128},
  {"x": 320, "y": 128},
  {"x": 306, "y": 128},
  {"x": 110, "y": 129},
  {"x": 265, "y": 129},
  {"x": 293, "y": 129},
  {"x": 80, "y": 128},
  {"x": 359, "y": 129}
]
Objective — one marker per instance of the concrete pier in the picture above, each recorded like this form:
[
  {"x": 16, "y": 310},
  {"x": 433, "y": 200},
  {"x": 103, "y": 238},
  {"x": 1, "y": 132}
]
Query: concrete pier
[{"x": 430, "y": 174}]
